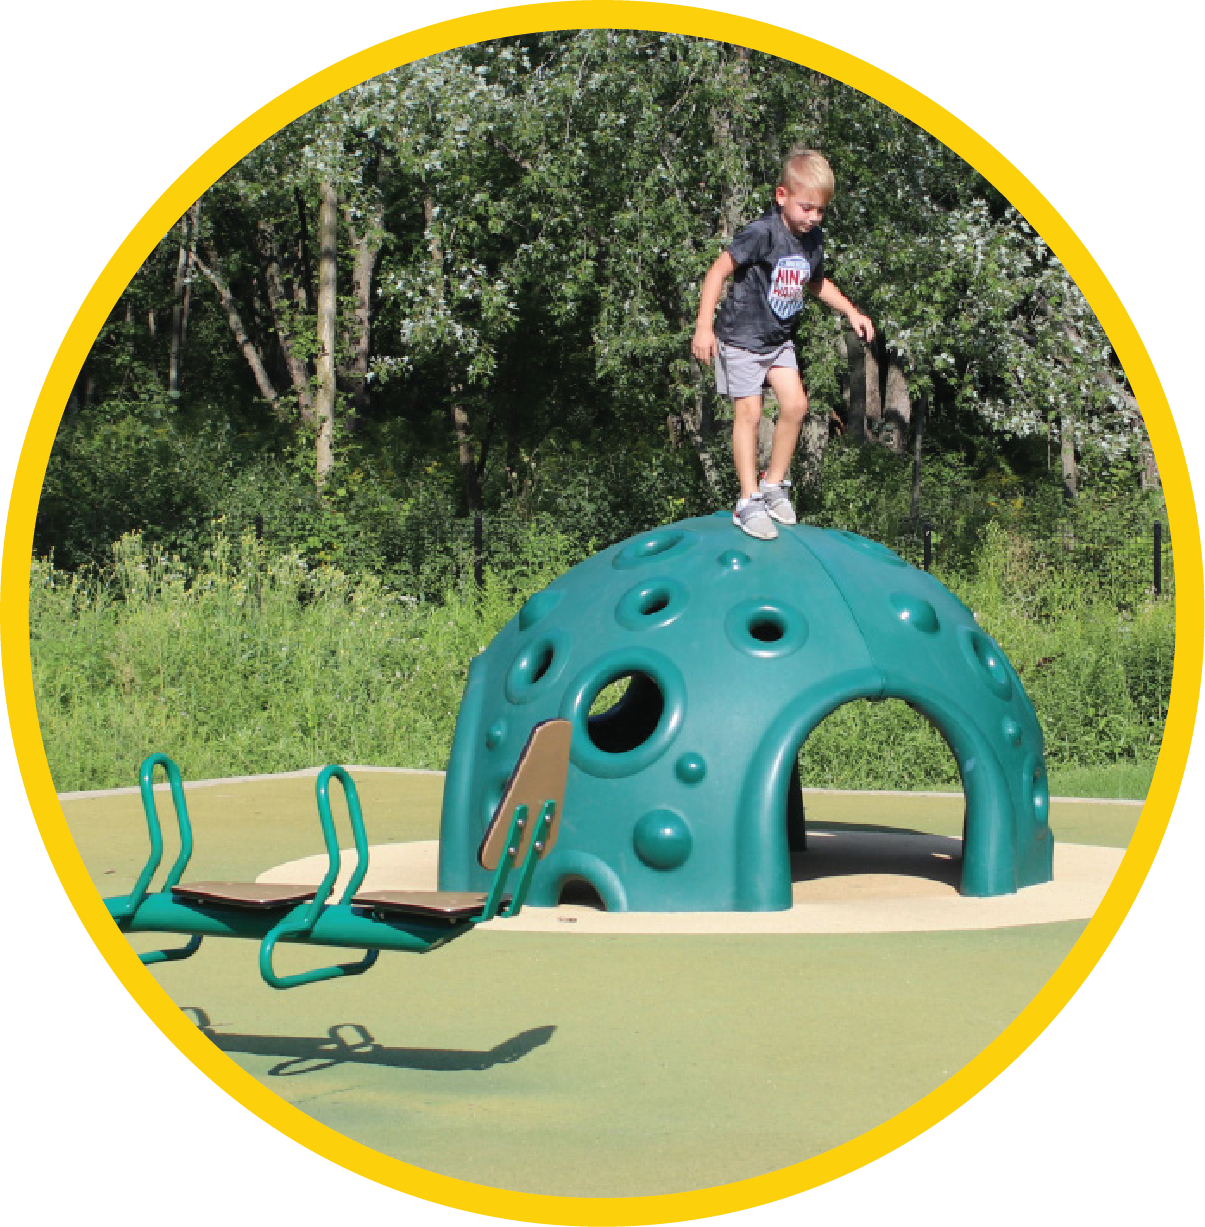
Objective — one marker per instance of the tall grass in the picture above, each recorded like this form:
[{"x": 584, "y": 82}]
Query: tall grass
[
  {"x": 1099, "y": 677},
  {"x": 255, "y": 661}
]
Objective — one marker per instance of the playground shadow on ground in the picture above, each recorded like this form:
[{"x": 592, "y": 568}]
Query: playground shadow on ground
[
  {"x": 353, "y": 1044},
  {"x": 843, "y": 849},
  {"x": 848, "y": 849}
]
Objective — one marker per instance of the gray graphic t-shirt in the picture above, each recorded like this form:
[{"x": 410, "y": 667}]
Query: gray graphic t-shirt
[{"x": 774, "y": 268}]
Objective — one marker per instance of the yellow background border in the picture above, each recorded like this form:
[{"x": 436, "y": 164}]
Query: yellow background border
[{"x": 109, "y": 135}]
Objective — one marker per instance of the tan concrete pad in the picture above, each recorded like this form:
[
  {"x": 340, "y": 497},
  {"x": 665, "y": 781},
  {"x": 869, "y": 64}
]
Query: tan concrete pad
[{"x": 848, "y": 882}]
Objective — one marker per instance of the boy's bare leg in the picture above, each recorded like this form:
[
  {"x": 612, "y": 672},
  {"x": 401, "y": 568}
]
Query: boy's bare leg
[
  {"x": 746, "y": 414},
  {"x": 792, "y": 410}
]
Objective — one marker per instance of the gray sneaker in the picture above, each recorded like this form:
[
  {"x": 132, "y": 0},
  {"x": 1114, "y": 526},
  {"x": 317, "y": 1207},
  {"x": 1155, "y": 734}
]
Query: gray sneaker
[
  {"x": 751, "y": 517},
  {"x": 778, "y": 501}
]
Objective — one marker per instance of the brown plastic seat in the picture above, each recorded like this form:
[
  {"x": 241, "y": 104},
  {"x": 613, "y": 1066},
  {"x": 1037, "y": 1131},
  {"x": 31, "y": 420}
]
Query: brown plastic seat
[
  {"x": 441, "y": 904},
  {"x": 260, "y": 895}
]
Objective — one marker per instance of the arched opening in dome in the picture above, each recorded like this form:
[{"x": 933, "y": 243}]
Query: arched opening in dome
[
  {"x": 577, "y": 892},
  {"x": 834, "y": 827}
]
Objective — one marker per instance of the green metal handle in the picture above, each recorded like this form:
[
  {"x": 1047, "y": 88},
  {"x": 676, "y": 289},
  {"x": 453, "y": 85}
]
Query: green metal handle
[
  {"x": 354, "y": 816},
  {"x": 505, "y": 863},
  {"x": 289, "y": 929},
  {"x": 146, "y": 785},
  {"x": 519, "y": 820},
  {"x": 534, "y": 849},
  {"x": 322, "y": 788},
  {"x": 170, "y": 956},
  {"x": 299, "y": 923},
  {"x": 132, "y": 902}
]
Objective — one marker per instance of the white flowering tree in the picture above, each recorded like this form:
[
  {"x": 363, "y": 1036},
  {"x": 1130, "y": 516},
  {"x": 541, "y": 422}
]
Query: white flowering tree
[{"x": 500, "y": 249}]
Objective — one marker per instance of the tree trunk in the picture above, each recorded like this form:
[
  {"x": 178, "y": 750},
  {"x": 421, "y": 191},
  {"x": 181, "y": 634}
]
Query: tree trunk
[
  {"x": 461, "y": 426},
  {"x": 874, "y": 394},
  {"x": 918, "y": 452},
  {"x": 699, "y": 424},
  {"x": 1149, "y": 476},
  {"x": 182, "y": 294},
  {"x": 469, "y": 480},
  {"x": 295, "y": 364},
  {"x": 813, "y": 441},
  {"x": 765, "y": 442},
  {"x": 897, "y": 407},
  {"x": 303, "y": 292},
  {"x": 367, "y": 249},
  {"x": 855, "y": 358},
  {"x": 246, "y": 346},
  {"x": 733, "y": 195},
  {"x": 83, "y": 392},
  {"x": 324, "y": 399},
  {"x": 1067, "y": 455},
  {"x": 698, "y": 420}
]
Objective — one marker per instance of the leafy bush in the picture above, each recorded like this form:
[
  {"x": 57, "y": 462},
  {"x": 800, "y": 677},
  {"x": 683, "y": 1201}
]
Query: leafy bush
[
  {"x": 1099, "y": 677},
  {"x": 122, "y": 466}
]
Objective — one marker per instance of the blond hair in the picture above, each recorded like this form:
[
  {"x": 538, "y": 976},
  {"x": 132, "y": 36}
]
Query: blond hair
[{"x": 806, "y": 168}]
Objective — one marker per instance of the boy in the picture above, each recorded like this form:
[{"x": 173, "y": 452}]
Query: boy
[{"x": 752, "y": 342}]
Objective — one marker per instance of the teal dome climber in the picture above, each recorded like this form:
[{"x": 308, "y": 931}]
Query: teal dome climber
[{"x": 726, "y": 653}]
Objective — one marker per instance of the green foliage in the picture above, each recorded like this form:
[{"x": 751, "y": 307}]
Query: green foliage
[
  {"x": 256, "y": 661},
  {"x": 1098, "y": 678},
  {"x": 253, "y": 662},
  {"x": 535, "y": 215},
  {"x": 1102, "y": 544},
  {"x": 1116, "y": 781},
  {"x": 133, "y": 463},
  {"x": 876, "y": 745},
  {"x": 600, "y": 495},
  {"x": 523, "y": 228}
]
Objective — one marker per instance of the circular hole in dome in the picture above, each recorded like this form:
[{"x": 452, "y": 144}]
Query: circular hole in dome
[
  {"x": 625, "y": 712},
  {"x": 577, "y": 892},
  {"x": 608, "y": 697},
  {"x": 767, "y": 628},
  {"x": 536, "y": 666},
  {"x": 540, "y": 663},
  {"x": 652, "y": 604}
]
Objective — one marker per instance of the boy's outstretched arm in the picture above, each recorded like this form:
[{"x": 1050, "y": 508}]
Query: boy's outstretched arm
[
  {"x": 702, "y": 344},
  {"x": 832, "y": 297}
]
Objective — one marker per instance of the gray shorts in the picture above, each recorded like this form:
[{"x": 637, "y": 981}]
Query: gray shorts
[{"x": 740, "y": 372}]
